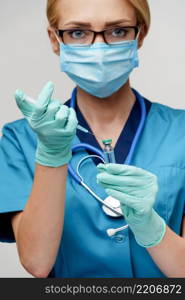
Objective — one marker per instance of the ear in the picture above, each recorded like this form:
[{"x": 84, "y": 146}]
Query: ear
[
  {"x": 142, "y": 34},
  {"x": 54, "y": 42}
]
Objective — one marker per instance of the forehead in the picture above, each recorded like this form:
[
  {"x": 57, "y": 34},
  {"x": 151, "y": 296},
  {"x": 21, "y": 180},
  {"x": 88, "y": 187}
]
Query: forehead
[{"x": 95, "y": 11}]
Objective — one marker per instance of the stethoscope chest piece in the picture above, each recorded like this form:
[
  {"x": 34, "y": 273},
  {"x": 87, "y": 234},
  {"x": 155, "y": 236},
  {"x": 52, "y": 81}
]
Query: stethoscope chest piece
[{"x": 114, "y": 203}]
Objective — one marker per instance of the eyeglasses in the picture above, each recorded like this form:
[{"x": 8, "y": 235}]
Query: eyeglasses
[{"x": 87, "y": 37}]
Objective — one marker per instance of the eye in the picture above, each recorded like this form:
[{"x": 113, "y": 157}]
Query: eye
[
  {"x": 119, "y": 32},
  {"x": 77, "y": 34}
]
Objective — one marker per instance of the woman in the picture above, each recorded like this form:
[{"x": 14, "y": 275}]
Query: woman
[{"x": 60, "y": 229}]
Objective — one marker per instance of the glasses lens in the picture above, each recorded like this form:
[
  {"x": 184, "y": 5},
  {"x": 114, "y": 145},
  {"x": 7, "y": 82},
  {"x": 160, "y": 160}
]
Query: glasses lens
[
  {"x": 120, "y": 34},
  {"x": 84, "y": 37}
]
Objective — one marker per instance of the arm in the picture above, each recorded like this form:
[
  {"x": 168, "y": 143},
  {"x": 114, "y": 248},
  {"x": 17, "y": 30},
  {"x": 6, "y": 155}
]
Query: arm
[
  {"x": 169, "y": 254},
  {"x": 38, "y": 228}
]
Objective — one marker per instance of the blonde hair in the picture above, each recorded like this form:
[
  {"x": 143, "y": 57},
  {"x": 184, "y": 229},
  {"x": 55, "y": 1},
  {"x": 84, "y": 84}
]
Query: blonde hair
[
  {"x": 141, "y": 7},
  {"x": 143, "y": 13},
  {"x": 52, "y": 13}
]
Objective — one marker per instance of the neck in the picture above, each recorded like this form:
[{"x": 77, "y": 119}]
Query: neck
[{"x": 113, "y": 109}]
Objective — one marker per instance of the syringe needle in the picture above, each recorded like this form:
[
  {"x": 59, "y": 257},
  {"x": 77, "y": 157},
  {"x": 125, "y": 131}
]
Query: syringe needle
[{"x": 81, "y": 128}]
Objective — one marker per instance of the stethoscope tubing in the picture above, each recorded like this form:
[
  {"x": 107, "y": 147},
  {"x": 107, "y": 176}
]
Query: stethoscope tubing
[
  {"x": 99, "y": 153},
  {"x": 80, "y": 147},
  {"x": 100, "y": 200}
]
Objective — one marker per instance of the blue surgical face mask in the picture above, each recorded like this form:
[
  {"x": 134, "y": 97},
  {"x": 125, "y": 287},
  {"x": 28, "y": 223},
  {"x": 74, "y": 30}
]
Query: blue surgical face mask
[{"x": 99, "y": 69}]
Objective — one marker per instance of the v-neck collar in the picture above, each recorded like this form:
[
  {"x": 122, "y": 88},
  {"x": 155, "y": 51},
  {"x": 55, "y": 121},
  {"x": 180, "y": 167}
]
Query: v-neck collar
[{"x": 126, "y": 136}]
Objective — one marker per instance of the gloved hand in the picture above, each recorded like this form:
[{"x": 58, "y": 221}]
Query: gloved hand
[
  {"x": 54, "y": 123},
  {"x": 136, "y": 190}
]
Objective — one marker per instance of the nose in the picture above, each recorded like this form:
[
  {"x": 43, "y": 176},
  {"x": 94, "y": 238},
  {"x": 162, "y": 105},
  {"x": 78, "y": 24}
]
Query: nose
[{"x": 99, "y": 38}]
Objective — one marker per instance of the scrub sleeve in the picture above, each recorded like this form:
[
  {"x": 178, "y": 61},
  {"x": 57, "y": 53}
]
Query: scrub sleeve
[{"x": 17, "y": 163}]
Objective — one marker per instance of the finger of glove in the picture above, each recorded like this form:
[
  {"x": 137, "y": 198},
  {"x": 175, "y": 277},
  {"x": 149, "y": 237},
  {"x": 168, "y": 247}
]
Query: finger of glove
[
  {"x": 140, "y": 204},
  {"x": 53, "y": 107},
  {"x": 133, "y": 186},
  {"x": 122, "y": 180},
  {"x": 126, "y": 210},
  {"x": 72, "y": 121},
  {"x": 43, "y": 101},
  {"x": 122, "y": 169},
  {"x": 138, "y": 192},
  {"x": 123, "y": 198},
  {"x": 46, "y": 118},
  {"x": 25, "y": 107},
  {"x": 127, "y": 200},
  {"x": 62, "y": 116}
]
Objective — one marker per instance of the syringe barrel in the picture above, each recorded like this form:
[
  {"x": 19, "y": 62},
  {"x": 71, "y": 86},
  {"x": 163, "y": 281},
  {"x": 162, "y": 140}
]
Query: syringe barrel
[
  {"x": 108, "y": 152},
  {"x": 109, "y": 157}
]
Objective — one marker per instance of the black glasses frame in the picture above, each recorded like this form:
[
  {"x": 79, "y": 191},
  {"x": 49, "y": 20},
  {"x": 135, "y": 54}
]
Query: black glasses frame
[{"x": 61, "y": 32}]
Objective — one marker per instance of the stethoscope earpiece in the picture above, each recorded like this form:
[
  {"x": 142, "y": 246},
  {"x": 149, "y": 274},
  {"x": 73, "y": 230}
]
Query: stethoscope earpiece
[{"x": 113, "y": 231}]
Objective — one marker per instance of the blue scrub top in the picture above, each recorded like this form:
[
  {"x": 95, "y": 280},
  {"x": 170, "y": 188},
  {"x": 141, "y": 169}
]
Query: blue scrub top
[{"x": 85, "y": 249}]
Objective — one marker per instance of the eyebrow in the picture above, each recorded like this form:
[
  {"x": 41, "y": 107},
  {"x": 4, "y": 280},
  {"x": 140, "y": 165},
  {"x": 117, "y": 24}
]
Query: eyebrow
[{"x": 86, "y": 24}]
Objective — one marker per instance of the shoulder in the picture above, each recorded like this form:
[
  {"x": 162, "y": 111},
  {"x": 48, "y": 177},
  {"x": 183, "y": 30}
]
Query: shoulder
[
  {"x": 167, "y": 113},
  {"x": 19, "y": 125},
  {"x": 16, "y": 124},
  {"x": 167, "y": 125},
  {"x": 19, "y": 131}
]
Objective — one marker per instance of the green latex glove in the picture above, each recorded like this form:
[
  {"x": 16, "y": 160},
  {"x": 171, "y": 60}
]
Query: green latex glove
[
  {"x": 54, "y": 123},
  {"x": 136, "y": 190}
]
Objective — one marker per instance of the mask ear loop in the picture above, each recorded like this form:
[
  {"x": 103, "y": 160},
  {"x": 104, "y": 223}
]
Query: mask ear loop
[
  {"x": 137, "y": 39},
  {"x": 57, "y": 37},
  {"x": 138, "y": 34}
]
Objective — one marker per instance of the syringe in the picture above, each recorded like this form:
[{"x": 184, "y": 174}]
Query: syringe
[{"x": 79, "y": 127}]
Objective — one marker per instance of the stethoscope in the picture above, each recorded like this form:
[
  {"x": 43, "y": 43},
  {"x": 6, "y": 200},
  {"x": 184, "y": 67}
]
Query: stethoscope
[{"x": 110, "y": 205}]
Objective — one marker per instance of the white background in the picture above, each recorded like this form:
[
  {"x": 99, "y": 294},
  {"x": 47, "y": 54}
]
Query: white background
[{"x": 27, "y": 62}]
